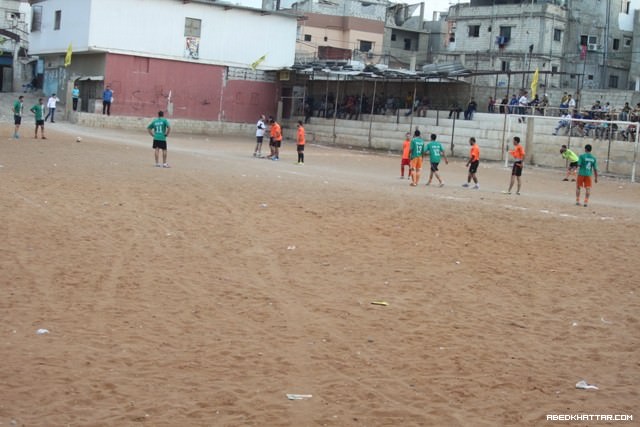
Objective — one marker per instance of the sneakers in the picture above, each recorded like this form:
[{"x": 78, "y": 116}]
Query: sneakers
[
  {"x": 166, "y": 165},
  {"x": 465, "y": 185},
  {"x": 577, "y": 203},
  {"x": 585, "y": 205},
  {"x": 506, "y": 192},
  {"x": 475, "y": 187},
  {"x": 442, "y": 185},
  {"x": 518, "y": 193},
  {"x": 158, "y": 165},
  {"x": 566, "y": 179},
  {"x": 16, "y": 136},
  {"x": 275, "y": 158}
]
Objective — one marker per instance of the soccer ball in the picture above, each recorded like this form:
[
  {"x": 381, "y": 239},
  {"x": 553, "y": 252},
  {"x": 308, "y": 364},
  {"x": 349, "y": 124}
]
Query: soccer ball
[{"x": 78, "y": 139}]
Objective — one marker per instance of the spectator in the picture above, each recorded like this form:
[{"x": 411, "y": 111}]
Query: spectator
[
  {"x": 491, "y": 106},
  {"x": 472, "y": 106},
  {"x": 565, "y": 122}
]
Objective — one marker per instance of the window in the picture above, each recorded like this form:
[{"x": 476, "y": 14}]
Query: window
[
  {"x": 583, "y": 40},
  {"x": 625, "y": 6},
  {"x": 505, "y": 32},
  {"x": 505, "y": 66},
  {"x": 593, "y": 40},
  {"x": 393, "y": 37},
  {"x": 627, "y": 42},
  {"x": 554, "y": 69},
  {"x": 590, "y": 77},
  {"x": 58, "y": 19},
  {"x": 474, "y": 30},
  {"x": 192, "y": 27},
  {"x": 616, "y": 44},
  {"x": 613, "y": 82},
  {"x": 36, "y": 18},
  {"x": 557, "y": 35},
  {"x": 307, "y": 37},
  {"x": 407, "y": 44},
  {"x": 365, "y": 46}
]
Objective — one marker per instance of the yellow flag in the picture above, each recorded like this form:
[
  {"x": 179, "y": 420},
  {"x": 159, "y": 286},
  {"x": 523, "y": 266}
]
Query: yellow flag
[
  {"x": 258, "y": 61},
  {"x": 67, "y": 58},
  {"x": 534, "y": 83}
]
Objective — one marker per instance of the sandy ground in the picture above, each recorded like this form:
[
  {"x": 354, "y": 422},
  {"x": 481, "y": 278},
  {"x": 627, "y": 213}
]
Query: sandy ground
[{"x": 202, "y": 294}]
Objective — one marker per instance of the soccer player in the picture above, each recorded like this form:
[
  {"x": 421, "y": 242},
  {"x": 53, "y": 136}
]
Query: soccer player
[
  {"x": 472, "y": 164},
  {"x": 159, "y": 129},
  {"x": 587, "y": 166},
  {"x": 416, "y": 151},
  {"x": 18, "y": 108},
  {"x": 518, "y": 163},
  {"x": 38, "y": 110},
  {"x": 572, "y": 158},
  {"x": 300, "y": 142},
  {"x": 435, "y": 150},
  {"x": 406, "y": 145},
  {"x": 260, "y": 128},
  {"x": 275, "y": 139}
]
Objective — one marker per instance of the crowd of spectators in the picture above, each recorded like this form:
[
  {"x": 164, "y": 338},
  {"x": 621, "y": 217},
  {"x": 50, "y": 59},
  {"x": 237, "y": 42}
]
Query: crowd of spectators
[{"x": 595, "y": 120}]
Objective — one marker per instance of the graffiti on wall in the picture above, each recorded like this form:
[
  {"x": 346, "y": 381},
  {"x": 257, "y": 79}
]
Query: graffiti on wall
[{"x": 192, "y": 47}]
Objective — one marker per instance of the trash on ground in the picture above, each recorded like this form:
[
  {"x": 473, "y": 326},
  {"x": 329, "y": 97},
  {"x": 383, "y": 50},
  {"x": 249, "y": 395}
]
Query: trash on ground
[
  {"x": 582, "y": 384},
  {"x": 379, "y": 303},
  {"x": 42, "y": 331},
  {"x": 298, "y": 396}
]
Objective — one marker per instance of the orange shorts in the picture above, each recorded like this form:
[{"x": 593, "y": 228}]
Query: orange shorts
[
  {"x": 583, "y": 181},
  {"x": 416, "y": 163}
]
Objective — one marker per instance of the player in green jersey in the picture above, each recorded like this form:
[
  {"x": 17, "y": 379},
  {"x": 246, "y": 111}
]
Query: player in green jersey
[
  {"x": 587, "y": 166},
  {"x": 38, "y": 110},
  {"x": 436, "y": 153},
  {"x": 18, "y": 107},
  {"x": 159, "y": 129},
  {"x": 416, "y": 153}
]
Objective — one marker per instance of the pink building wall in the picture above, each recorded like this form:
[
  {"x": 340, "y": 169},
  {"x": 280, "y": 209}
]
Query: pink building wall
[{"x": 198, "y": 91}]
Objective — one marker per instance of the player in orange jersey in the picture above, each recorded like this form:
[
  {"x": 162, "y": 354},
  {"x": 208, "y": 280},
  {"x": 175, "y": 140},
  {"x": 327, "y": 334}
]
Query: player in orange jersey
[
  {"x": 518, "y": 163},
  {"x": 406, "y": 145}
]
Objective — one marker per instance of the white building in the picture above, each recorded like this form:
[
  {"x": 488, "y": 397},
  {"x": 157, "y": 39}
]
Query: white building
[{"x": 187, "y": 55}]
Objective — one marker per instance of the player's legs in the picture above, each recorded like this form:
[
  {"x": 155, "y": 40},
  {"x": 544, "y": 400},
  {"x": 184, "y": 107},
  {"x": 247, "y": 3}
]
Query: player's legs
[
  {"x": 164, "y": 157},
  {"x": 578, "y": 192},
  {"x": 36, "y": 136},
  {"x": 519, "y": 184},
  {"x": 513, "y": 180},
  {"x": 41, "y": 131},
  {"x": 156, "y": 153}
]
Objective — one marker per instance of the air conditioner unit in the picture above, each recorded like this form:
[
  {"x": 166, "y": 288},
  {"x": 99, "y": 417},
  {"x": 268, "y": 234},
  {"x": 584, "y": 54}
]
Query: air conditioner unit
[{"x": 592, "y": 46}]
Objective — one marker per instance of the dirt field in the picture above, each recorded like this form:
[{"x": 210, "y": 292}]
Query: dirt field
[{"x": 202, "y": 294}]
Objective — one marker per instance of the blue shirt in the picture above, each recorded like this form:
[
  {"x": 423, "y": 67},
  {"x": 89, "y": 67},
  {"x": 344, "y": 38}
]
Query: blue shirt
[
  {"x": 107, "y": 95},
  {"x": 75, "y": 92}
]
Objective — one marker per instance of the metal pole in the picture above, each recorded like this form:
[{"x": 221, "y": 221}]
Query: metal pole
[
  {"x": 413, "y": 101},
  {"x": 453, "y": 131},
  {"x": 372, "y": 110},
  {"x": 335, "y": 108},
  {"x": 504, "y": 129},
  {"x": 506, "y": 148},
  {"x": 635, "y": 154},
  {"x": 360, "y": 106},
  {"x": 609, "y": 147},
  {"x": 326, "y": 99}
]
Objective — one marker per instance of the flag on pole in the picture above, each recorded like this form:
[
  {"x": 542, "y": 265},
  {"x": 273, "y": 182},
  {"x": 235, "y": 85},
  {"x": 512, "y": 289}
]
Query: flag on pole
[
  {"x": 534, "y": 83},
  {"x": 258, "y": 61},
  {"x": 67, "y": 58}
]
